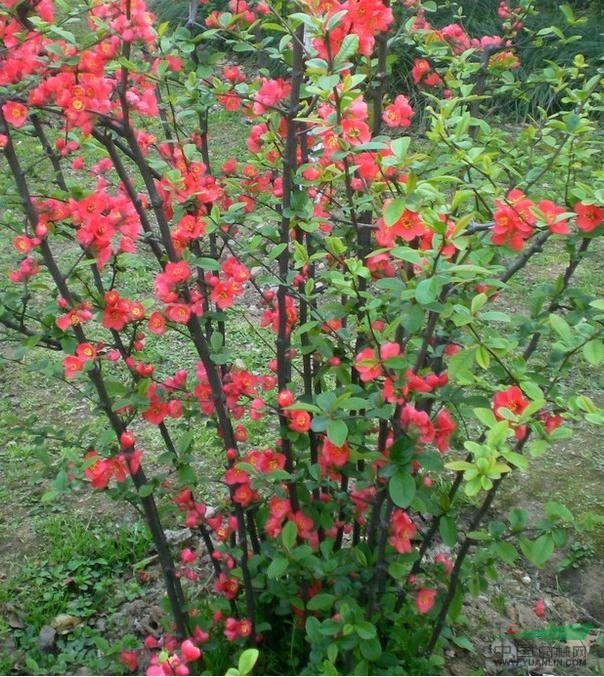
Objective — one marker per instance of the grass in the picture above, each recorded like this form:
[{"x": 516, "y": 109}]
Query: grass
[{"x": 80, "y": 572}]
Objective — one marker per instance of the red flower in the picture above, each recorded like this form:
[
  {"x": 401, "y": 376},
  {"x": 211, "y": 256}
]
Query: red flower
[
  {"x": 178, "y": 313},
  {"x": 85, "y": 351},
  {"x": 514, "y": 400},
  {"x": 156, "y": 324},
  {"x": 356, "y": 132},
  {"x": 445, "y": 427},
  {"x": 223, "y": 293},
  {"x": 189, "y": 651},
  {"x": 155, "y": 412},
  {"x": 234, "y": 628},
  {"x": 285, "y": 398},
  {"x": 551, "y": 421},
  {"x": 299, "y": 421},
  {"x": 129, "y": 660},
  {"x": 551, "y": 212},
  {"x": 244, "y": 495},
  {"x": 227, "y": 587},
  {"x": 424, "y": 599},
  {"x": 23, "y": 244},
  {"x": 177, "y": 272},
  {"x": 398, "y": 114},
  {"x": 445, "y": 562},
  {"x": 332, "y": 455},
  {"x": 270, "y": 94},
  {"x": 303, "y": 523},
  {"x": 417, "y": 422},
  {"x": 402, "y": 530},
  {"x": 409, "y": 226},
  {"x": 116, "y": 312},
  {"x": 589, "y": 217},
  {"x": 100, "y": 471},
  {"x": 71, "y": 365},
  {"x": 15, "y": 113},
  {"x": 509, "y": 229},
  {"x": 539, "y": 608},
  {"x": 388, "y": 350},
  {"x": 369, "y": 17},
  {"x": 368, "y": 365}
]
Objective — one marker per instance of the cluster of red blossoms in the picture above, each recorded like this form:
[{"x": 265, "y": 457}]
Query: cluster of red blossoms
[
  {"x": 239, "y": 480},
  {"x": 513, "y": 400},
  {"x": 100, "y": 471},
  {"x": 407, "y": 227},
  {"x": 515, "y": 219},
  {"x": 270, "y": 315}
]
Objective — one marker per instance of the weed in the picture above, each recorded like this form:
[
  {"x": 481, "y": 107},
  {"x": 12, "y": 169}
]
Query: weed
[{"x": 79, "y": 575}]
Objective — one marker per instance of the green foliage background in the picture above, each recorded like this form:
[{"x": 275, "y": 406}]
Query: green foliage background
[{"x": 479, "y": 18}]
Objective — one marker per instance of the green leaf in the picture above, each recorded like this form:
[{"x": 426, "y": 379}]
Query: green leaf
[
  {"x": 593, "y": 351},
  {"x": 206, "y": 263},
  {"x": 289, "y": 535},
  {"x": 460, "y": 366},
  {"x": 427, "y": 291},
  {"x": 332, "y": 652},
  {"x": 483, "y": 358},
  {"x": 350, "y": 46},
  {"x": 497, "y": 433},
  {"x": 365, "y": 630},
  {"x": 430, "y": 460},
  {"x": 186, "y": 475},
  {"x": 277, "y": 567},
  {"x": 554, "y": 510},
  {"x": 506, "y": 552},
  {"x": 406, "y": 254},
  {"x": 247, "y": 660},
  {"x": 371, "y": 649},
  {"x": 517, "y": 518},
  {"x": 560, "y": 326},
  {"x": 184, "y": 441},
  {"x": 400, "y": 147},
  {"x": 463, "y": 642},
  {"x": 394, "y": 211},
  {"x": 323, "y": 600},
  {"x": 485, "y": 416},
  {"x": 459, "y": 466},
  {"x": 516, "y": 459},
  {"x": 328, "y": 668},
  {"x": 401, "y": 488},
  {"x": 276, "y": 251},
  {"x": 477, "y": 302},
  {"x": 313, "y": 629},
  {"x": 401, "y": 451},
  {"x": 538, "y": 552},
  {"x": 146, "y": 490},
  {"x": 448, "y": 530},
  {"x": 473, "y": 487},
  {"x": 353, "y": 403},
  {"x": 337, "y": 432}
]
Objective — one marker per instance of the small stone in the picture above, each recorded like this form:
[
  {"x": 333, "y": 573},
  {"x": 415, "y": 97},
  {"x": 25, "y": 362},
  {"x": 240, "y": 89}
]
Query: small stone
[
  {"x": 46, "y": 639},
  {"x": 178, "y": 536},
  {"x": 511, "y": 613},
  {"x": 526, "y": 579}
]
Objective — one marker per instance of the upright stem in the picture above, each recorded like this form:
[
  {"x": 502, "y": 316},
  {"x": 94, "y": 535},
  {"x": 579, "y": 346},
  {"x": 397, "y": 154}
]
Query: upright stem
[{"x": 289, "y": 170}]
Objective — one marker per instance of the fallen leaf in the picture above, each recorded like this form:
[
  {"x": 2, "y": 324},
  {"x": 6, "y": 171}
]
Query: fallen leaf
[{"x": 63, "y": 623}]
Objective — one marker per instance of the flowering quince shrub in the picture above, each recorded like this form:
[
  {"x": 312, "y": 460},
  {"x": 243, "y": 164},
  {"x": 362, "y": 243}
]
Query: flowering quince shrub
[{"x": 395, "y": 381}]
